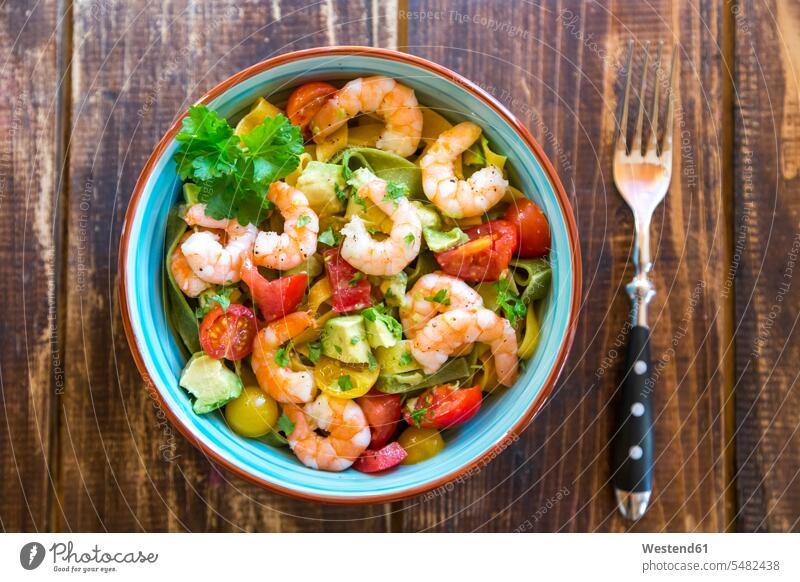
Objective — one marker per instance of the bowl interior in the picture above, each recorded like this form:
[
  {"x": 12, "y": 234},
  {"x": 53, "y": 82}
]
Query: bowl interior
[{"x": 163, "y": 358}]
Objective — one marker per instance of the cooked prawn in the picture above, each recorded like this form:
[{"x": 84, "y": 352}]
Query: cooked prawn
[
  {"x": 189, "y": 283},
  {"x": 282, "y": 383},
  {"x": 396, "y": 103},
  {"x": 448, "y": 332},
  {"x": 209, "y": 259},
  {"x": 300, "y": 230},
  {"x": 343, "y": 420},
  {"x": 459, "y": 198},
  {"x": 421, "y": 303},
  {"x": 389, "y": 256}
]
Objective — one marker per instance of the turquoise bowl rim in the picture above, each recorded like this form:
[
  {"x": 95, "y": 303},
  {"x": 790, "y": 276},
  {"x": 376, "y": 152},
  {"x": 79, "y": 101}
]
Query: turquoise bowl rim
[{"x": 158, "y": 356}]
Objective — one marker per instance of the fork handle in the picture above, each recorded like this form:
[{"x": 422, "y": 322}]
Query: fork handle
[{"x": 633, "y": 445}]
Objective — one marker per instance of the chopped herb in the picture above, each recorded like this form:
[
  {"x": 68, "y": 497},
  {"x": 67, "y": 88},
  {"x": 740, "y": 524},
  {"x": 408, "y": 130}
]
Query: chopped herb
[
  {"x": 410, "y": 238},
  {"x": 329, "y": 237},
  {"x": 341, "y": 193},
  {"x": 373, "y": 363},
  {"x": 285, "y": 425},
  {"x": 418, "y": 415},
  {"x": 354, "y": 340},
  {"x": 222, "y": 298},
  {"x": 233, "y": 171},
  {"x": 314, "y": 352},
  {"x": 356, "y": 278},
  {"x": 396, "y": 192},
  {"x": 360, "y": 201},
  {"x": 346, "y": 171},
  {"x": 509, "y": 302},
  {"x": 405, "y": 359},
  {"x": 338, "y": 349},
  {"x": 370, "y": 314},
  {"x": 345, "y": 383},
  {"x": 282, "y": 357},
  {"x": 440, "y": 297},
  {"x": 303, "y": 220}
]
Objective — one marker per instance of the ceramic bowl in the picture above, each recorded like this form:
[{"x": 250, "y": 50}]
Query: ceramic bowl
[{"x": 159, "y": 357}]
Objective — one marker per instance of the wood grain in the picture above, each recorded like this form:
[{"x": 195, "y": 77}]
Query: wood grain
[
  {"x": 767, "y": 246},
  {"x": 137, "y": 67},
  {"x": 555, "y": 65},
  {"x": 31, "y": 358}
]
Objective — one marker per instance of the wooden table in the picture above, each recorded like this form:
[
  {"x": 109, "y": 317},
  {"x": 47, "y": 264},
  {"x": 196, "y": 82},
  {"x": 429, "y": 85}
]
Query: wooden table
[{"x": 88, "y": 90}]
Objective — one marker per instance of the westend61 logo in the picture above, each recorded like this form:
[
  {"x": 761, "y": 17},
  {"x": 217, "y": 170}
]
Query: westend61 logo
[{"x": 67, "y": 559}]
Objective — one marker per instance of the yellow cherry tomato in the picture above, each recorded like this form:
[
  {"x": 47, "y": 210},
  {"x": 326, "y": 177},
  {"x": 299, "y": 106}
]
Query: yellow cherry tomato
[
  {"x": 344, "y": 381},
  {"x": 420, "y": 443},
  {"x": 252, "y": 414}
]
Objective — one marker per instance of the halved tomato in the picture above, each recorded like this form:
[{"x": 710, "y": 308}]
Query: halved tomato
[
  {"x": 485, "y": 256},
  {"x": 533, "y": 228},
  {"x": 228, "y": 334},
  {"x": 351, "y": 289},
  {"x": 383, "y": 412},
  {"x": 443, "y": 406},
  {"x": 305, "y": 101}
]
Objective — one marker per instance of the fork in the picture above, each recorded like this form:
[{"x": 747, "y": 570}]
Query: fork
[{"x": 642, "y": 179}]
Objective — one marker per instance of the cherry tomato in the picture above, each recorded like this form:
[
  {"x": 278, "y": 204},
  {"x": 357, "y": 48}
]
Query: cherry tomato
[
  {"x": 351, "y": 289},
  {"x": 382, "y": 412},
  {"x": 443, "y": 406},
  {"x": 420, "y": 443},
  {"x": 343, "y": 380},
  {"x": 305, "y": 101},
  {"x": 228, "y": 334},
  {"x": 275, "y": 299},
  {"x": 252, "y": 413},
  {"x": 386, "y": 458},
  {"x": 485, "y": 256},
  {"x": 533, "y": 228}
]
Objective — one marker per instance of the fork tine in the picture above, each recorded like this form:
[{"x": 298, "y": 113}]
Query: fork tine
[
  {"x": 637, "y": 135},
  {"x": 623, "y": 124},
  {"x": 653, "y": 139},
  {"x": 667, "y": 142}
]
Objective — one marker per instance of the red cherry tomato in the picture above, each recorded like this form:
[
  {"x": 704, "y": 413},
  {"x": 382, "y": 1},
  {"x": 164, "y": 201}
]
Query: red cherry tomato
[
  {"x": 443, "y": 406},
  {"x": 533, "y": 228},
  {"x": 275, "y": 299},
  {"x": 351, "y": 289},
  {"x": 386, "y": 458},
  {"x": 305, "y": 101},
  {"x": 228, "y": 334},
  {"x": 383, "y": 412},
  {"x": 485, "y": 256}
]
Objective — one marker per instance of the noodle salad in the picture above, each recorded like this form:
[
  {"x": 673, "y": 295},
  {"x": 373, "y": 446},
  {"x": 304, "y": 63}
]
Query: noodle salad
[{"x": 352, "y": 275}]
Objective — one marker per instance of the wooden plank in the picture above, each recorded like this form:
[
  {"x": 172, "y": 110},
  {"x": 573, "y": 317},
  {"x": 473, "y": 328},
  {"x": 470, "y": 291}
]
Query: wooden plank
[
  {"x": 766, "y": 248},
  {"x": 555, "y": 65},
  {"x": 136, "y": 68},
  {"x": 31, "y": 358}
]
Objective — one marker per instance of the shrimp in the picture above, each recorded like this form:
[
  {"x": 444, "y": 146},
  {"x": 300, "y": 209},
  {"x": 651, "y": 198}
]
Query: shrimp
[
  {"x": 422, "y": 302},
  {"x": 189, "y": 283},
  {"x": 300, "y": 230},
  {"x": 345, "y": 423},
  {"x": 209, "y": 259},
  {"x": 459, "y": 198},
  {"x": 396, "y": 103},
  {"x": 448, "y": 332},
  {"x": 390, "y": 256},
  {"x": 282, "y": 383}
]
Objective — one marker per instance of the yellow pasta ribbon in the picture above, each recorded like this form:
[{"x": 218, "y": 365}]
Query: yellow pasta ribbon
[
  {"x": 291, "y": 179},
  {"x": 332, "y": 144},
  {"x": 319, "y": 293},
  {"x": 364, "y": 135},
  {"x": 258, "y": 113},
  {"x": 530, "y": 339}
]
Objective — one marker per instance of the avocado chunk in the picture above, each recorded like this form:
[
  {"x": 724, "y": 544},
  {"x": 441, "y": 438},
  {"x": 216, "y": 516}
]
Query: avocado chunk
[
  {"x": 320, "y": 182},
  {"x": 427, "y": 215},
  {"x": 383, "y": 330},
  {"x": 439, "y": 241},
  {"x": 393, "y": 288},
  {"x": 452, "y": 370},
  {"x": 396, "y": 359},
  {"x": 345, "y": 339},
  {"x": 210, "y": 382}
]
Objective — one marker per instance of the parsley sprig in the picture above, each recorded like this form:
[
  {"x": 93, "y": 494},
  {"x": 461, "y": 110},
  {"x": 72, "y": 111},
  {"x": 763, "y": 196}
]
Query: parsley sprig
[
  {"x": 233, "y": 172},
  {"x": 509, "y": 302}
]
